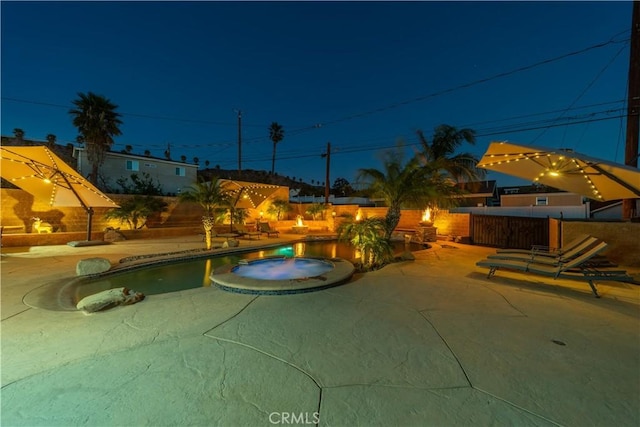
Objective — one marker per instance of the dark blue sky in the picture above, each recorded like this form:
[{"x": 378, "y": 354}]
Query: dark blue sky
[{"x": 369, "y": 73}]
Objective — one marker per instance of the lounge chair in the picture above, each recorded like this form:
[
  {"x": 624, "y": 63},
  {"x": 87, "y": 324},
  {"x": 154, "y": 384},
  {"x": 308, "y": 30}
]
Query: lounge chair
[
  {"x": 242, "y": 230},
  {"x": 266, "y": 228},
  {"x": 578, "y": 268},
  {"x": 545, "y": 250},
  {"x": 547, "y": 258}
]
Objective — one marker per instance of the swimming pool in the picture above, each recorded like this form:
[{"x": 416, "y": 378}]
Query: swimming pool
[{"x": 175, "y": 276}]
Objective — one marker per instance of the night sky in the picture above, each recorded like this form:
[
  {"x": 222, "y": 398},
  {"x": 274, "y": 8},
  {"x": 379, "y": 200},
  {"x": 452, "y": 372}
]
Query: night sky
[{"x": 361, "y": 75}]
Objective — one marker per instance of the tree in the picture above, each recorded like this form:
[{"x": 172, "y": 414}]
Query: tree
[
  {"x": 368, "y": 237},
  {"x": 439, "y": 155},
  {"x": 196, "y": 160},
  {"x": 18, "y": 136},
  {"x": 128, "y": 149},
  {"x": 209, "y": 195},
  {"x": 238, "y": 215},
  {"x": 98, "y": 122},
  {"x": 51, "y": 140},
  {"x": 341, "y": 187},
  {"x": 276, "y": 134},
  {"x": 136, "y": 210},
  {"x": 207, "y": 163},
  {"x": 147, "y": 153},
  {"x": 140, "y": 185},
  {"x": 400, "y": 184},
  {"x": 316, "y": 209},
  {"x": 278, "y": 207}
]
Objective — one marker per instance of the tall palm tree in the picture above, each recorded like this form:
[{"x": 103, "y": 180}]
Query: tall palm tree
[
  {"x": 209, "y": 195},
  {"x": 18, "y": 136},
  {"x": 51, "y": 140},
  {"x": 276, "y": 134},
  {"x": 402, "y": 184},
  {"x": 98, "y": 122},
  {"x": 440, "y": 154}
]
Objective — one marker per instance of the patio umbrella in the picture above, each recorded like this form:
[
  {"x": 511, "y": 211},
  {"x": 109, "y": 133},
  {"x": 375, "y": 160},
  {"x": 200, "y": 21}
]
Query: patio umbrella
[
  {"x": 564, "y": 169},
  {"x": 247, "y": 195},
  {"x": 38, "y": 171}
]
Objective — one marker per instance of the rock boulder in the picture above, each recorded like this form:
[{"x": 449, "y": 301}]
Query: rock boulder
[
  {"x": 109, "y": 299},
  {"x": 92, "y": 266}
]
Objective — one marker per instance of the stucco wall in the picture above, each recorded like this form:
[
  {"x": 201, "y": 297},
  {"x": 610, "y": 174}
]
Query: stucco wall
[
  {"x": 553, "y": 199},
  {"x": 18, "y": 207},
  {"x": 623, "y": 238}
]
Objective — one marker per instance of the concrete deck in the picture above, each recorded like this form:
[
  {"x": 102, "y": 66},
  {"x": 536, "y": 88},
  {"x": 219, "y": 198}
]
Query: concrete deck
[{"x": 428, "y": 342}]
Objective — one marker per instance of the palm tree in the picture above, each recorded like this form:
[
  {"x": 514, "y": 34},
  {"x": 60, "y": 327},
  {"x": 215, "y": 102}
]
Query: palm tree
[
  {"x": 51, "y": 140},
  {"x": 439, "y": 155},
  {"x": 18, "y": 136},
  {"x": 97, "y": 123},
  {"x": 209, "y": 195},
  {"x": 276, "y": 134},
  {"x": 368, "y": 237},
  {"x": 278, "y": 207},
  {"x": 401, "y": 184}
]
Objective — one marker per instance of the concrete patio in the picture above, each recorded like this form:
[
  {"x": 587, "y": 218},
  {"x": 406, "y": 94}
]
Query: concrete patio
[{"x": 424, "y": 342}]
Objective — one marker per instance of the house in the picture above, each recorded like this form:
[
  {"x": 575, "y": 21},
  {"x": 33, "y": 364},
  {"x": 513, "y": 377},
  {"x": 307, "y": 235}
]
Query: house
[
  {"x": 172, "y": 175},
  {"x": 478, "y": 193},
  {"x": 534, "y": 201},
  {"x": 537, "y": 195}
]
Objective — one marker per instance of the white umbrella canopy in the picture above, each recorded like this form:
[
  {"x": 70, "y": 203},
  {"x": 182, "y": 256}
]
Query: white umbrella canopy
[
  {"x": 38, "y": 171},
  {"x": 564, "y": 169},
  {"x": 247, "y": 195}
]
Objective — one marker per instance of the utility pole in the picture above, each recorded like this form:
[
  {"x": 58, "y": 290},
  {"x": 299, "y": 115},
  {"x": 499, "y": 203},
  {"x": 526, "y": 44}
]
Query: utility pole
[
  {"x": 326, "y": 183},
  {"x": 633, "y": 109},
  {"x": 239, "y": 143}
]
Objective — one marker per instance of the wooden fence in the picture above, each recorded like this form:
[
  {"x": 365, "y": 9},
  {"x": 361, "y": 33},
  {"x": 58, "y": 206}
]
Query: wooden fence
[{"x": 509, "y": 231}]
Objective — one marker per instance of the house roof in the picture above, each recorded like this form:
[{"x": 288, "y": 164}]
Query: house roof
[
  {"x": 528, "y": 189},
  {"x": 478, "y": 188},
  {"x": 142, "y": 157}
]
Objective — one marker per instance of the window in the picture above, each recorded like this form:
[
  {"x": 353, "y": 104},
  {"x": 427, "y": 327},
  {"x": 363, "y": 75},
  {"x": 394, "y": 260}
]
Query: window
[
  {"x": 542, "y": 201},
  {"x": 133, "y": 165},
  {"x": 180, "y": 171}
]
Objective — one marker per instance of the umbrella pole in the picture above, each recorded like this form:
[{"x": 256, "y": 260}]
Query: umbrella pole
[
  {"x": 89, "y": 209},
  {"x": 89, "y": 220}
]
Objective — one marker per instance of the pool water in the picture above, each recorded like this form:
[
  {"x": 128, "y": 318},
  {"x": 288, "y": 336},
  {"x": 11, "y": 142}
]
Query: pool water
[
  {"x": 183, "y": 275},
  {"x": 282, "y": 268}
]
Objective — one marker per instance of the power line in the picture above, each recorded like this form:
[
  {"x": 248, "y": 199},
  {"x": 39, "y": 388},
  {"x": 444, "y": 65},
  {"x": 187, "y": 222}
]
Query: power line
[
  {"x": 597, "y": 77},
  {"x": 125, "y": 114},
  {"x": 366, "y": 148},
  {"x": 477, "y": 82}
]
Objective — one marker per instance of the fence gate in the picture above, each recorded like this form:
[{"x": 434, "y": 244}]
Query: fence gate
[{"x": 509, "y": 231}]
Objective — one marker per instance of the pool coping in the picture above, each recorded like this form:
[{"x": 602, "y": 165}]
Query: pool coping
[{"x": 225, "y": 279}]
